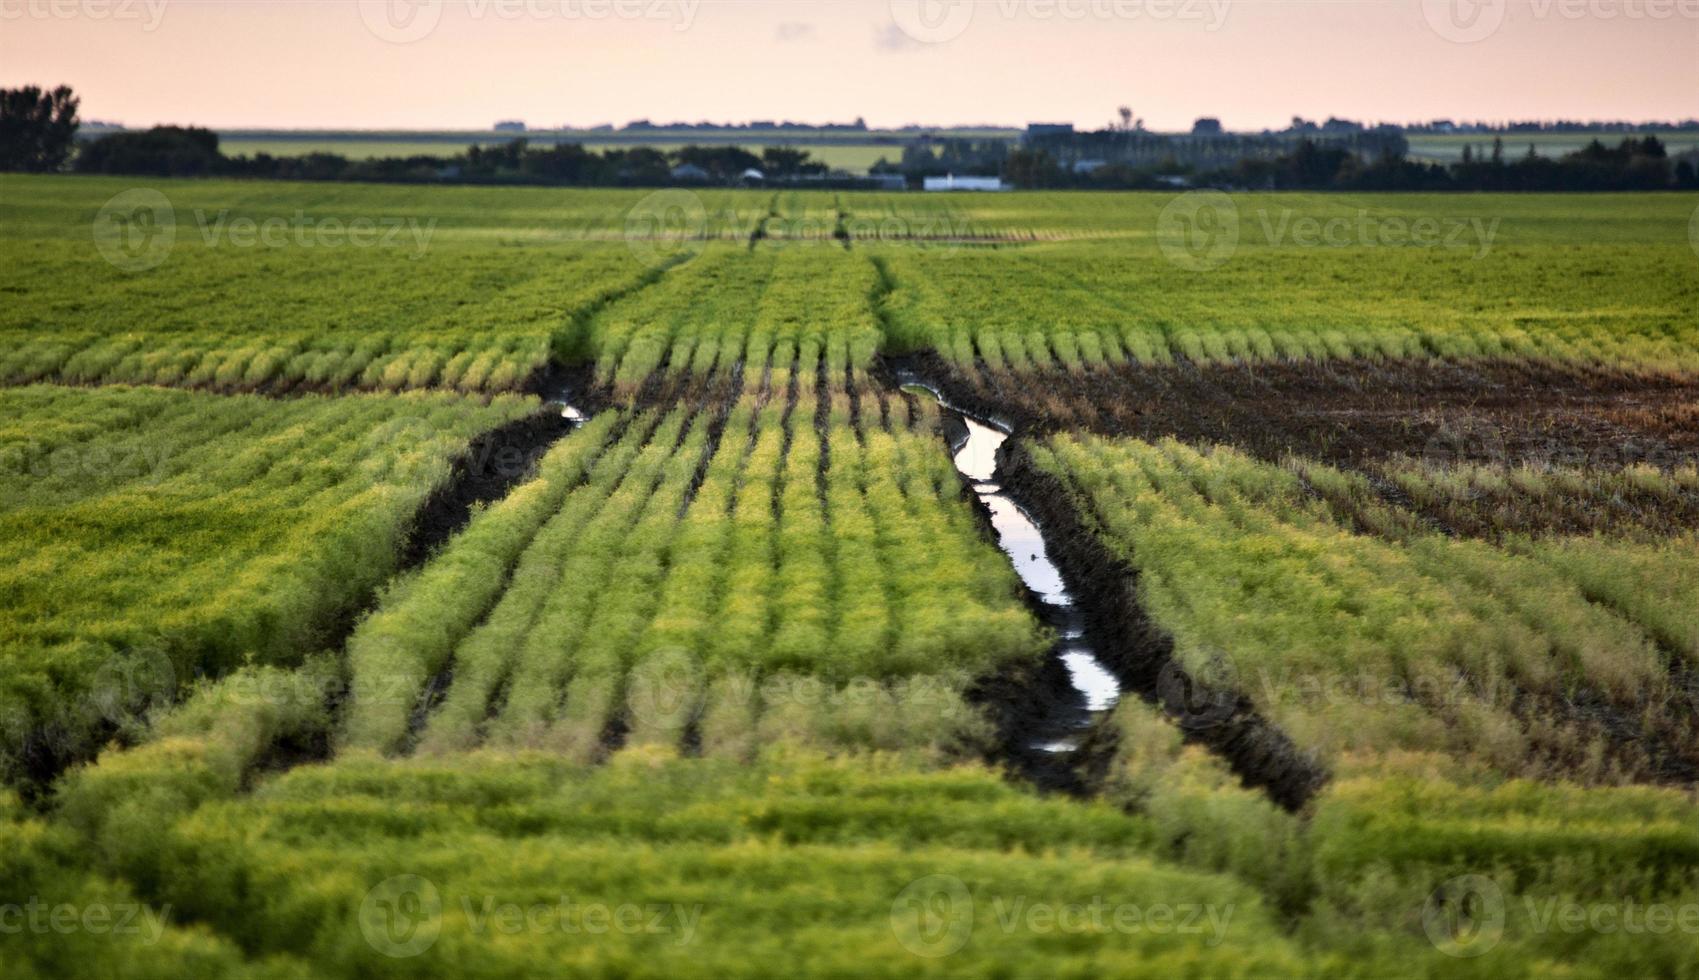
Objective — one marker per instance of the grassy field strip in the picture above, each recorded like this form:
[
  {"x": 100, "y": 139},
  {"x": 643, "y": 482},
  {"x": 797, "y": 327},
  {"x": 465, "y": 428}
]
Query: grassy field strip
[
  {"x": 768, "y": 305},
  {"x": 485, "y": 661},
  {"x": 1496, "y": 502},
  {"x": 202, "y": 508},
  {"x": 690, "y": 594},
  {"x": 395, "y": 651},
  {"x": 593, "y": 669},
  {"x": 1601, "y": 300},
  {"x": 1428, "y": 644},
  {"x": 815, "y": 848},
  {"x": 712, "y": 295},
  {"x": 1339, "y": 893},
  {"x": 505, "y": 276}
]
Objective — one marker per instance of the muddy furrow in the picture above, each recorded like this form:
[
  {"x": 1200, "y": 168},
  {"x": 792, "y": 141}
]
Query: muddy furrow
[{"x": 1142, "y": 656}]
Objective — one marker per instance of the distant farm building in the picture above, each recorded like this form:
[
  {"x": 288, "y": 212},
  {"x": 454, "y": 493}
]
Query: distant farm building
[
  {"x": 510, "y": 126},
  {"x": 690, "y": 173},
  {"x": 1044, "y": 130},
  {"x": 951, "y": 182}
]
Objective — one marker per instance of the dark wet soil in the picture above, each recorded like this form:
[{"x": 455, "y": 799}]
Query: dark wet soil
[
  {"x": 1351, "y": 412},
  {"x": 1354, "y": 415},
  {"x": 489, "y": 468}
]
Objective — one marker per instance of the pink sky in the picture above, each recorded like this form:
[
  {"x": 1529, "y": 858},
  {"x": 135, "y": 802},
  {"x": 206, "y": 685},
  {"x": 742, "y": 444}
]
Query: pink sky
[{"x": 1253, "y": 63}]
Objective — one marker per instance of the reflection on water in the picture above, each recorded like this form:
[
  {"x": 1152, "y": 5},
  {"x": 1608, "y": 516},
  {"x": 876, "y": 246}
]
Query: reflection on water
[
  {"x": 1020, "y": 538},
  {"x": 563, "y": 401},
  {"x": 1100, "y": 687},
  {"x": 977, "y": 459}
]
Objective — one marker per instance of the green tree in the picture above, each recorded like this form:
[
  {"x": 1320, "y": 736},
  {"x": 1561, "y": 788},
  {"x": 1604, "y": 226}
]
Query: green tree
[{"x": 37, "y": 128}]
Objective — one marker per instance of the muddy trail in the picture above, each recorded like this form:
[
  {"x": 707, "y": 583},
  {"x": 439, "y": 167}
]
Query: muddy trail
[
  {"x": 1502, "y": 415},
  {"x": 1046, "y": 716},
  {"x": 1351, "y": 412},
  {"x": 1053, "y": 721},
  {"x": 1141, "y": 655}
]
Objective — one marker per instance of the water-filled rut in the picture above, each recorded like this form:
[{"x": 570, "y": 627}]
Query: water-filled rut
[
  {"x": 1060, "y": 723},
  {"x": 1108, "y": 646}
]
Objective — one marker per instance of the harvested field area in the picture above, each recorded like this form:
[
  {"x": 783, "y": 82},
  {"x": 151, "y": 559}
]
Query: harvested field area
[{"x": 1352, "y": 412}]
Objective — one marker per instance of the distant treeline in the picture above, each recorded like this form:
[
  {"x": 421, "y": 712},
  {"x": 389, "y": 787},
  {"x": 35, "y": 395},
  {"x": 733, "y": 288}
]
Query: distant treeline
[
  {"x": 176, "y": 151},
  {"x": 1633, "y": 165},
  {"x": 38, "y": 130}
]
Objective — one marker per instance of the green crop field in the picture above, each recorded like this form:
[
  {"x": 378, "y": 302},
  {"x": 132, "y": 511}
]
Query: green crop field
[
  {"x": 1448, "y": 147},
  {"x": 840, "y": 149},
  {"x": 411, "y": 581}
]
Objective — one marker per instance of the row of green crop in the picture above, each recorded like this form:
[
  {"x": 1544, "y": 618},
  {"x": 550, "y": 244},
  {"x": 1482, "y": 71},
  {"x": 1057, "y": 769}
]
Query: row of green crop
[
  {"x": 1363, "y": 644},
  {"x": 752, "y": 313},
  {"x": 1410, "y": 867},
  {"x": 364, "y": 361},
  {"x": 877, "y": 864},
  {"x": 148, "y": 537},
  {"x": 1081, "y": 307},
  {"x": 1604, "y": 281},
  {"x": 1496, "y": 500},
  {"x": 778, "y": 568},
  {"x": 470, "y": 291}
]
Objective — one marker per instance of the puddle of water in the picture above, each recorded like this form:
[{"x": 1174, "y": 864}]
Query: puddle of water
[
  {"x": 568, "y": 411},
  {"x": 1022, "y": 540},
  {"x": 977, "y": 459},
  {"x": 1100, "y": 687}
]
